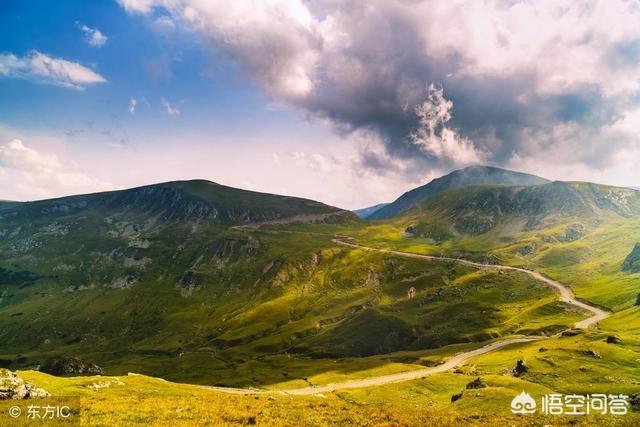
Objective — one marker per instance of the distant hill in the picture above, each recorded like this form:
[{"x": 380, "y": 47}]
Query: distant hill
[
  {"x": 367, "y": 212},
  {"x": 474, "y": 175}
]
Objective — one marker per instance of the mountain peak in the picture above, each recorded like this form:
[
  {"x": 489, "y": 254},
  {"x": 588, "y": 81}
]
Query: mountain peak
[{"x": 472, "y": 175}]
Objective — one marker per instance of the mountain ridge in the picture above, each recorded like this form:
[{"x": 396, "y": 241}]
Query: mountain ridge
[
  {"x": 472, "y": 175},
  {"x": 176, "y": 200},
  {"x": 477, "y": 209}
]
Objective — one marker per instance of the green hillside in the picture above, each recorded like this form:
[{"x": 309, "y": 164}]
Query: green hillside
[
  {"x": 204, "y": 284},
  {"x": 476, "y": 210},
  {"x": 134, "y": 279},
  {"x": 579, "y": 233}
]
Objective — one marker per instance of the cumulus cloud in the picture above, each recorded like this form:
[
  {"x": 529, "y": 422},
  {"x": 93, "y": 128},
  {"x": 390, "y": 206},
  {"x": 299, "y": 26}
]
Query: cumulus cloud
[
  {"x": 436, "y": 139},
  {"x": 518, "y": 74},
  {"x": 132, "y": 105},
  {"x": 26, "y": 173},
  {"x": 171, "y": 110},
  {"x": 93, "y": 36},
  {"x": 41, "y": 68}
]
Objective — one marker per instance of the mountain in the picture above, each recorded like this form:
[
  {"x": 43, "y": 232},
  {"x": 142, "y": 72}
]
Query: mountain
[
  {"x": 367, "y": 212},
  {"x": 474, "y": 175},
  {"x": 134, "y": 271},
  {"x": 578, "y": 232},
  {"x": 476, "y": 210},
  {"x": 173, "y": 280},
  {"x": 195, "y": 200}
]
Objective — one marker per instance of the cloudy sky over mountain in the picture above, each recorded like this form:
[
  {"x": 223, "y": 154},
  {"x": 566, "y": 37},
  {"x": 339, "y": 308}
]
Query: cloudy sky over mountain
[{"x": 348, "y": 102}]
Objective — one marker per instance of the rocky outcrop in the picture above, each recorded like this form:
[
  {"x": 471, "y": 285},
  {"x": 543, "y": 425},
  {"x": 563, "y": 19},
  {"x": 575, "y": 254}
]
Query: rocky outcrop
[
  {"x": 572, "y": 233},
  {"x": 520, "y": 369},
  {"x": 60, "y": 365},
  {"x": 476, "y": 384},
  {"x": 190, "y": 282},
  {"x": 14, "y": 387}
]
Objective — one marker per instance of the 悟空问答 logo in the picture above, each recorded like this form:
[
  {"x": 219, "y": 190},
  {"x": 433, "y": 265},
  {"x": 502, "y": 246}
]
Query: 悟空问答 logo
[{"x": 523, "y": 404}]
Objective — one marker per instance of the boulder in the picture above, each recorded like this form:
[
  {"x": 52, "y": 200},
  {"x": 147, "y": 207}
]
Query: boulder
[
  {"x": 592, "y": 353},
  {"x": 477, "y": 383},
  {"x": 14, "y": 387},
  {"x": 60, "y": 365},
  {"x": 614, "y": 339},
  {"x": 521, "y": 368},
  {"x": 455, "y": 397}
]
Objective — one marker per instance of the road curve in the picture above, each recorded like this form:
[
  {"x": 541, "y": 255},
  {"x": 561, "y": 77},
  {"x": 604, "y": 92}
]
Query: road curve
[
  {"x": 390, "y": 378},
  {"x": 565, "y": 295}
]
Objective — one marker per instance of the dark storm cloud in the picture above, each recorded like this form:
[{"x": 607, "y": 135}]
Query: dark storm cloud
[{"x": 522, "y": 77}]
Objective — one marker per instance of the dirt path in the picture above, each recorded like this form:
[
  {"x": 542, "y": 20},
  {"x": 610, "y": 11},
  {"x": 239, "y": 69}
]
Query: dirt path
[{"x": 565, "y": 295}]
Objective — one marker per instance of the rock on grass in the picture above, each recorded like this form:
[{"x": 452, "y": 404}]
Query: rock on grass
[
  {"x": 477, "y": 383},
  {"x": 14, "y": 387}
]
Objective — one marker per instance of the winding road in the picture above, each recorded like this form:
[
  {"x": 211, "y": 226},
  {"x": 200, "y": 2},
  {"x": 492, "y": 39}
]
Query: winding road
[{"x": 565, "y": 295}]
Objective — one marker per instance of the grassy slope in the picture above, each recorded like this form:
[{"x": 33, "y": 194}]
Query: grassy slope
[
  {"x": 149, "y": 280},
  {"x": 235, "y": 315},
  {"x": 339, "y": 305},
  {"x": 530, "y": 227},
  {"x": 564, "y": 367}
]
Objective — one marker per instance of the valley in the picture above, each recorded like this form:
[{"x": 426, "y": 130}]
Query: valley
[{"x": 257, "y": 294}]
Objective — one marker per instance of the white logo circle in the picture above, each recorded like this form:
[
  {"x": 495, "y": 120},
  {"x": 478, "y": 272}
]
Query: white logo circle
[{"x": 15, "y": 412}]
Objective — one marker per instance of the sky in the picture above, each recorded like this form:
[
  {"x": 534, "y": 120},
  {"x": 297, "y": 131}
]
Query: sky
[{"x": 350, "y": 103}]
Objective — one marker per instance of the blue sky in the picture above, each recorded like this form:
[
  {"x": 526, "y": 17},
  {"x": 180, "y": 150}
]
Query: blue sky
[
  {"x": 334, "y": 101},
  {"x": 136, "y": 62}
]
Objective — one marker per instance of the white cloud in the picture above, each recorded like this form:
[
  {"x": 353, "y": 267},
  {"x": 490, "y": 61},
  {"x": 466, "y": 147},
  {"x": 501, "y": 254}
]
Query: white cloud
[
  {"x": 276, "y": 42},
  {"x": 138, "y": 6},
  {"x": 27, "y": 174},
  {"x": 567, "y": 44},
  {"x": 163, "y": 25},
  {"x": 435, "y": 138},
  {"x": 41, "y": 68},
  {"x": 172, "y": 111},
  {"x": 132, "y": 105},
  {"x": 315, "y": 161},
  {"x": 93, "y": 36}
]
